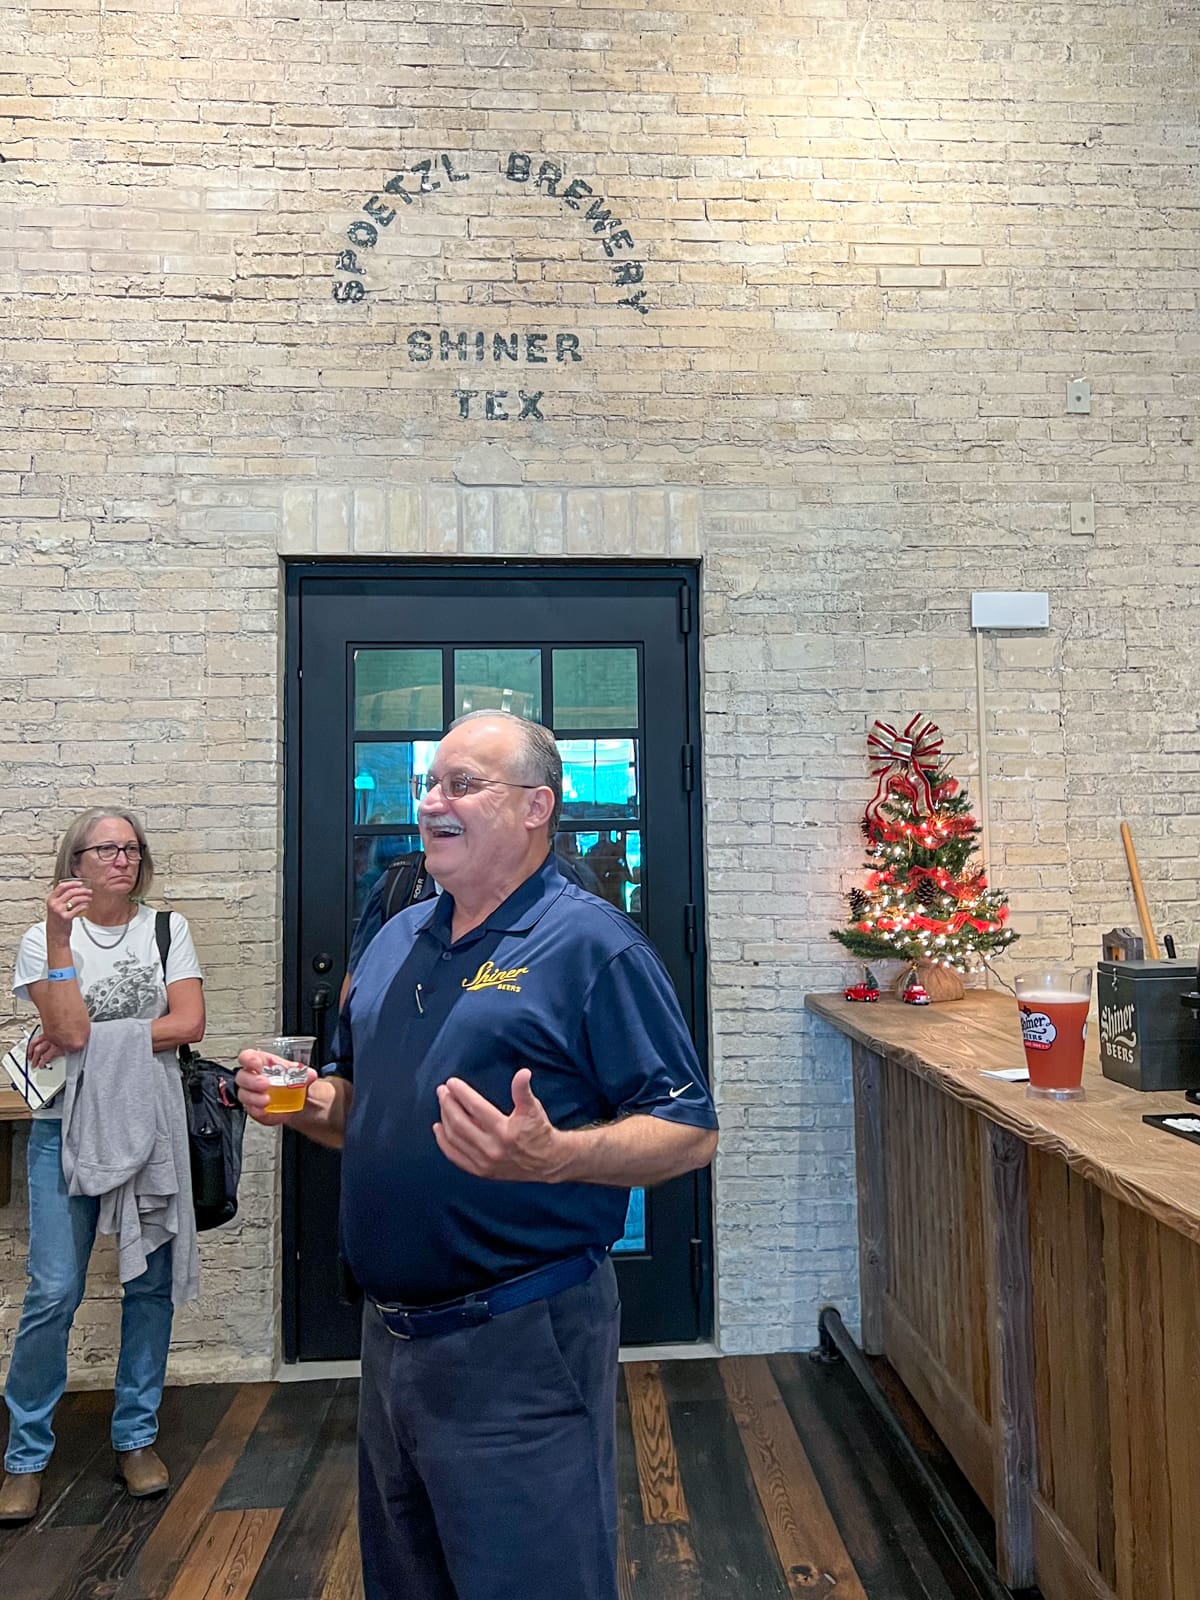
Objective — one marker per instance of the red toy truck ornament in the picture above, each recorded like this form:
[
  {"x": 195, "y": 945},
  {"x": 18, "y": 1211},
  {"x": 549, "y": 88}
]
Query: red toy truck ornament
[{"x": 861, "y": 991}]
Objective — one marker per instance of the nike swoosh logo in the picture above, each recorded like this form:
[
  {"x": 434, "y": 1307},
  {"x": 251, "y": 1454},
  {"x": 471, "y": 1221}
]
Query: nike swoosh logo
[{"x": 673, "y": 1094}]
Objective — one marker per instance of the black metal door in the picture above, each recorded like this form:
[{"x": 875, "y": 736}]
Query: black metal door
[{"x": 380, "y": 661}]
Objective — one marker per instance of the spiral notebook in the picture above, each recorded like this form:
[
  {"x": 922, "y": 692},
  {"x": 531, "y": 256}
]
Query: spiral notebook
[{"x": 37, "y": 1086}]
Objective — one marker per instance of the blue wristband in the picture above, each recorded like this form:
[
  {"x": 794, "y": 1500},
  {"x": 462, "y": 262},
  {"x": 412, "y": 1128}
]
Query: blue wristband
[{"x": 60, "y": 974}]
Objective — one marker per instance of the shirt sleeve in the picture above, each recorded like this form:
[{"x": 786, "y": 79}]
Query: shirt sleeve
[
  {"x": 368, "y": 924},
  {"x": 31, "y": 960},
  {"x": 182, "y": 961},
  {"x": 638, "y": 1043}
]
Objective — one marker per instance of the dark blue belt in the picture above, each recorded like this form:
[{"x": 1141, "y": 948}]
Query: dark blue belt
[{"x": 426, "y": 1322}]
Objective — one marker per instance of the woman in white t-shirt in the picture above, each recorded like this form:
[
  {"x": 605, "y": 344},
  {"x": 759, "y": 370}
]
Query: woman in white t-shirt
[{"x": 93, "y": 959}]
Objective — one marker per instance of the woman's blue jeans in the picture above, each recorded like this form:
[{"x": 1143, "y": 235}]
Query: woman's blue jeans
[{"x": 62, "y": 1229}]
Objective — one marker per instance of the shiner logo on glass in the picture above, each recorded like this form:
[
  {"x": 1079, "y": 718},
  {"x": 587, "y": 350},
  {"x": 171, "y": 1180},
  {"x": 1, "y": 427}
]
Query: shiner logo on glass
[{"x": 1038, "y": 1032}]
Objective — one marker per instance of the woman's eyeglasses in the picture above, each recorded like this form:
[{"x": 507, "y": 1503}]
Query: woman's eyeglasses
[
  {"x": 458, "y": 785},
  {"x": 110, "y": 852}
]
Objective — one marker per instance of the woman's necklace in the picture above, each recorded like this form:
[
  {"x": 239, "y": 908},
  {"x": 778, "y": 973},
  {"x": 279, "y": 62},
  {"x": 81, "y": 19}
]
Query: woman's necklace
[{"x": 99, "y": 943}]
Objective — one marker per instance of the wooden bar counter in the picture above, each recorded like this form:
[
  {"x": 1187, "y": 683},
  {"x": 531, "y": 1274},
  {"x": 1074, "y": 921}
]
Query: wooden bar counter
[{"x": 1032, "y": 1271}]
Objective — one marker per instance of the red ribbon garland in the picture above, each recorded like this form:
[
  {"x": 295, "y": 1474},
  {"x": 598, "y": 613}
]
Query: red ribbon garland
[
  {"x": 943, "y": 925},
  {"x": 905, "y": 762},
  {"x": 959, "y": 920},
  {"x": 968, "y": 889}
]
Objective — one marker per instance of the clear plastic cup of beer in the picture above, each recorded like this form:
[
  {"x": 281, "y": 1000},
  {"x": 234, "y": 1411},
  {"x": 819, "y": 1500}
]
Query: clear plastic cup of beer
[
  {"x": 286, "y": 1070},
  {"x": 1054, "y": 1010}
]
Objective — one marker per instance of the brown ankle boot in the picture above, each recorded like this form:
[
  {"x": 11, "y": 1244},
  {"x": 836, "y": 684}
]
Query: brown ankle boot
[
  {"x": 19, "y": 1496},
  {"x": 142, "y": 1472}
]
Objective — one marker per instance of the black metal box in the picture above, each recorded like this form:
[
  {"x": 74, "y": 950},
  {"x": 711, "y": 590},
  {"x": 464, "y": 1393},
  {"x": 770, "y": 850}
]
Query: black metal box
[{"x": 1148, "y": 1038}]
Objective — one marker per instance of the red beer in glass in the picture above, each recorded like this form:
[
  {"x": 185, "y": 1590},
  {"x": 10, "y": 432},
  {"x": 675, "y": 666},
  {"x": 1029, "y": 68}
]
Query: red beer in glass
[{"x": 1054, "y": 1011}]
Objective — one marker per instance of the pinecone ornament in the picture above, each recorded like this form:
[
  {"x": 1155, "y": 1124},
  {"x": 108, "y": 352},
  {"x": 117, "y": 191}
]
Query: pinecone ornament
[
  {"x": 928, "y": 893},
  {"x": 858, "y": 903}
]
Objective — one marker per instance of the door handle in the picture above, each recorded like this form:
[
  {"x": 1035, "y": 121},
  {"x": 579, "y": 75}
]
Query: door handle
[{"x": 320, "y": 998}]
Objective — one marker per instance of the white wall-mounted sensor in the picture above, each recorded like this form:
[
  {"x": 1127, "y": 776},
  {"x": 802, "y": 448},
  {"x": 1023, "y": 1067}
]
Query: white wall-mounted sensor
[{"x": 999, "y": 609}]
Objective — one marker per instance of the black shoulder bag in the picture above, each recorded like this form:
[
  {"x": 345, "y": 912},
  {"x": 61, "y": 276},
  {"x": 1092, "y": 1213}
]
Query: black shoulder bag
[{"x": 215, "y": 1120}]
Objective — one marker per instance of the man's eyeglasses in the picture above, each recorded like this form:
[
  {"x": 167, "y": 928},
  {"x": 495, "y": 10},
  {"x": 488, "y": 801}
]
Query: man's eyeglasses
[
  {"x": 458, "y": 785},
  {"x": 110, "y": 852}
]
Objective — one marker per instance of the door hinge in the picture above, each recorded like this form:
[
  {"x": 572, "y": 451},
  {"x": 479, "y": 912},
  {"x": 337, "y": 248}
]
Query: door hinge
[
  {"x": 685, "y": 610},
  {"x": 696, "y": 1250},
  {"x": 689, "y": 929},
  {"x": 687, "y": 767}
]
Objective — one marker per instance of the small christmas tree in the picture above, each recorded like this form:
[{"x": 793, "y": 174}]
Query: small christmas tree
[{"x": 922, "y": 899}]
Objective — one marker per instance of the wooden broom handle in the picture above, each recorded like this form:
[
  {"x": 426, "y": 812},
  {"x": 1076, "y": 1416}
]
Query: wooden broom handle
[{"x": 1139, "y": 894}]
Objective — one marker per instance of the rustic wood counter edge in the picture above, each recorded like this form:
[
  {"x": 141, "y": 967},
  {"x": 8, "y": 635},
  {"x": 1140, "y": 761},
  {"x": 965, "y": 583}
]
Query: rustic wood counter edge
[
  {"x": 1101, "y": 1137},
  {"x": 1031, "y": 1270}
]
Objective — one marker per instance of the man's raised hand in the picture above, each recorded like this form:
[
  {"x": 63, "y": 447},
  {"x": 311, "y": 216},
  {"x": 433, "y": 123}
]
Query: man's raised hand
[{"x": 522, "y": 1147}]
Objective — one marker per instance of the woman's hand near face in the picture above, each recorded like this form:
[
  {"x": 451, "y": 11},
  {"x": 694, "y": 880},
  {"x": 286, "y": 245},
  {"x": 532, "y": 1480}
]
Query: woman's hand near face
[{"x": 66, "y": 901}]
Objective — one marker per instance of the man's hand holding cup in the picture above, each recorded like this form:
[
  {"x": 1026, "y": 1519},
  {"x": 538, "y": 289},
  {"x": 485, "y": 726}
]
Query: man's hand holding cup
[{"x": 273, "y": 1079}]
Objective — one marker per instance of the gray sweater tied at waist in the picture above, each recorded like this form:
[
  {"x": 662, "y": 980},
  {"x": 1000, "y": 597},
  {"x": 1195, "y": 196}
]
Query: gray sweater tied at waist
[{"x": 125, "y": 1139}]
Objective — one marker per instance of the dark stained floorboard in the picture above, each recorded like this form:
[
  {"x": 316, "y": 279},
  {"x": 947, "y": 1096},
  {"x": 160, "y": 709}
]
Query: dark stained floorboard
[
  {"x": 729, "y": 1529},
  {"x": 303, "y": 1546},
  {"x": 655, "y": 1561},
  {"x": 268, "y": 1513},
  {"x": 892, "y": 1549},
  {"x": 276, "y": 1455}
]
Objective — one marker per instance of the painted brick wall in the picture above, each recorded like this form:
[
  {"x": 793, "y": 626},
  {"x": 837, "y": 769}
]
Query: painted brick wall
[{"x": 875, "y": 239}]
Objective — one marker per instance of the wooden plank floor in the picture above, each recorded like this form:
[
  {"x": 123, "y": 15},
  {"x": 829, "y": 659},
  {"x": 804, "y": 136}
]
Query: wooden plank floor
[{"x": 739, "y": 1478}]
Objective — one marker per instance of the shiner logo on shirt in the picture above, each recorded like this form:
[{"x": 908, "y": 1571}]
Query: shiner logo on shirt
[{"x": 491, "y": 976}]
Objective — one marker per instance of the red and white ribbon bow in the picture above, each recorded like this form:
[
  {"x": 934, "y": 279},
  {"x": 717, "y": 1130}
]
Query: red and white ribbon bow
[{"x": 905, "y": 763}]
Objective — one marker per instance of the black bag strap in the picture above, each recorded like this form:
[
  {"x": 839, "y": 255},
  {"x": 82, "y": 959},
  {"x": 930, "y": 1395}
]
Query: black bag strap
[
  {"x": 162, "y": 938},
  {"x": 414, "y": 875}
]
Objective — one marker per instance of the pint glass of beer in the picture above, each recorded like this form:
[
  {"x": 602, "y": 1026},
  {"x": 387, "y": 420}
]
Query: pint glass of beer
[{"x": 1054, "y": 1009}]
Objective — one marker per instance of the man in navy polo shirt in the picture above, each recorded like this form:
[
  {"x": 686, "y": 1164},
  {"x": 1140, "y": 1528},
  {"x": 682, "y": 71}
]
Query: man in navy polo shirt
[{"x": 511, "y": 1059}]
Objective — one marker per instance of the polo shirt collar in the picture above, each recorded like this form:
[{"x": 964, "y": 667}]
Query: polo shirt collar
[{"x": 523, "y": 909}]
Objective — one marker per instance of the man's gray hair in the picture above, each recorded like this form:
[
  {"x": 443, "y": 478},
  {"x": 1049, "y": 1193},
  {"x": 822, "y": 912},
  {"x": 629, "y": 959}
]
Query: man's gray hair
[
  {"x": 538, "y": 762},
  {"x": 78, "y": 835}
]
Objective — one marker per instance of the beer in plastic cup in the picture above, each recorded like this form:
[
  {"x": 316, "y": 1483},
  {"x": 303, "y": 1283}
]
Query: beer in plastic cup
[
  {"x": 287, "y": 1070},
  {"x": 1054, "y": 1010}
]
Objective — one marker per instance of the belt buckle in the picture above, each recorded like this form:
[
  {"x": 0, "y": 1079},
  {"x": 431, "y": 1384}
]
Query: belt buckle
[
  {"x": 388, "y": 1311},
  {"x": 470, "y": 1313}
]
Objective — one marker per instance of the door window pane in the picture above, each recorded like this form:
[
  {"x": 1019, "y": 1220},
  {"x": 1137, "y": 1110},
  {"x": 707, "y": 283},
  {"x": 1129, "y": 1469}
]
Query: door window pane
[
  {"x": 596, "y": 688},
  {"x": 600, "y": 778},
  {"x": 373, "y": 855},
  {"x": 634, "y": 1237},
  {"x": 498, "y": 680},
  {"x": 398, "y": 689},
  {"x": 383, "y": 775},
  {"x": 609, "y": 863}
]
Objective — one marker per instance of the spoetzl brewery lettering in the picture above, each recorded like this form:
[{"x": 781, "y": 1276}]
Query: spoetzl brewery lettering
[
  {"x": 440, "y": 173},
  {"x": 1118, "y": 1036},
  {"x": 615, "y": 238}
]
